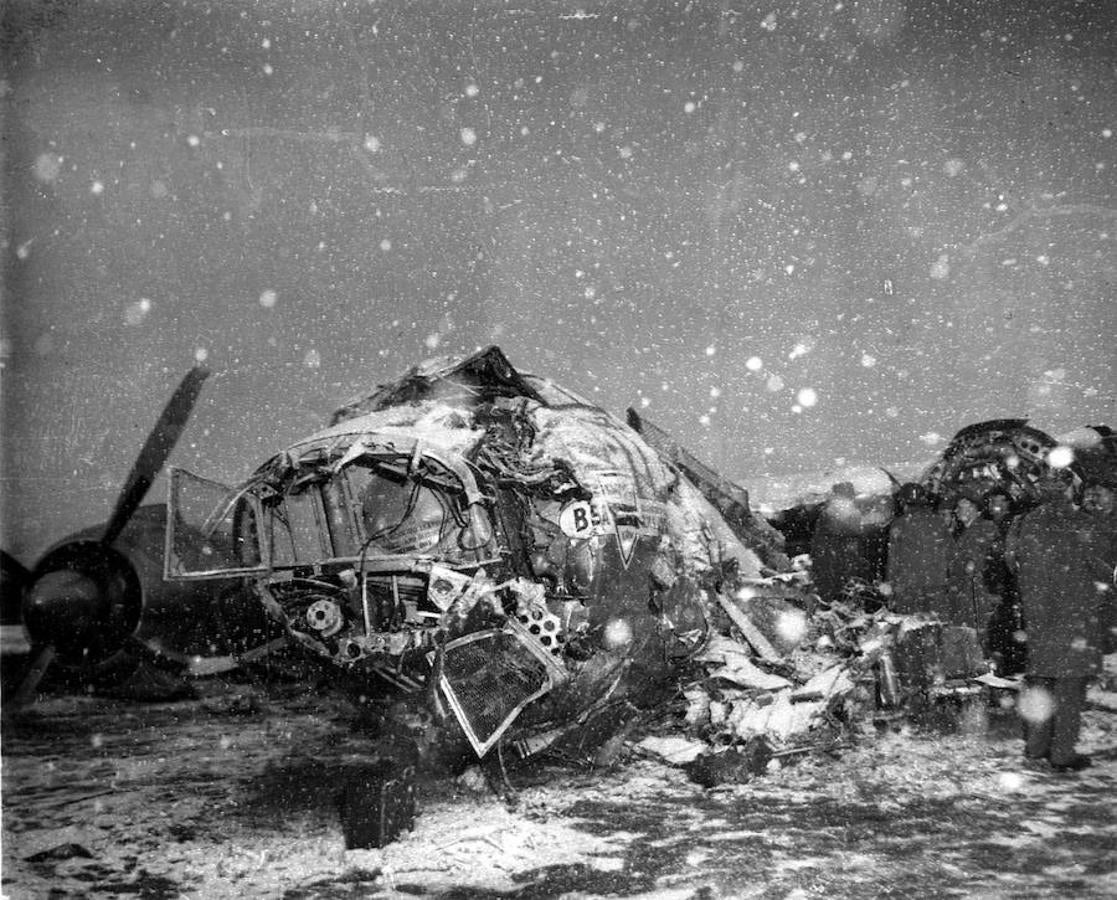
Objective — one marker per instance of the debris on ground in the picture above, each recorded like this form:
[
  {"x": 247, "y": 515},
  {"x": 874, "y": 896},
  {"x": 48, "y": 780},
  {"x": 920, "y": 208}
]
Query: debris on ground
[{"x": 837, "y": 670}]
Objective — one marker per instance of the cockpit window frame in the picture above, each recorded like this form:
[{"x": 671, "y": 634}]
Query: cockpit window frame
[
  {"x": 318, "y": 470},
  {"x": 307, "y": 499},
  {"x": 172, "y": 571},
  {"x": 444, "y": 488}
]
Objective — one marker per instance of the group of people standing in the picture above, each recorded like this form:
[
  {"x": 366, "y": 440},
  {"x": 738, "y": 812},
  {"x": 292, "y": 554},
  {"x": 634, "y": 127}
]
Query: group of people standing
[
  {"x": 1033, "y": 576},
  {"x": 949, "y": 561},
  {"x": 1035, "y": 580}
]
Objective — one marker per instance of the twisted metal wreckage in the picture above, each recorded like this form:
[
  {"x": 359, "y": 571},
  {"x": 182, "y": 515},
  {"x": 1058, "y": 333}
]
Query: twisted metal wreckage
[
  {"x": 490, "y": 547},
  {"x": 502, "y": 564}
]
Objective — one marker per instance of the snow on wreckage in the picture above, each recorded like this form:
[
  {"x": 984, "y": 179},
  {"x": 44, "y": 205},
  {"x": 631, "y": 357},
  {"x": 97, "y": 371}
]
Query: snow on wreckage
[{"x": 510, "y": 566}]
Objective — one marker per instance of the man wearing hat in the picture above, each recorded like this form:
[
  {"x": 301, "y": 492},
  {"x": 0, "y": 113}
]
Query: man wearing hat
[{"x": 919, "y": 546}]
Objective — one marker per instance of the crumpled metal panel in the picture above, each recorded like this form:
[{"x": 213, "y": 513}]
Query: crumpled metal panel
[{"x": 489, "y": 676}]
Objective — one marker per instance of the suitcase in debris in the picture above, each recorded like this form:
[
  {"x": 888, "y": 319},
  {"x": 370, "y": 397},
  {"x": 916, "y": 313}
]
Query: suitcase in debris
[
  {"x": 961, "y": 652},
  {"x": 917, "y": 656},
  {"x": 376, "y": 803}
]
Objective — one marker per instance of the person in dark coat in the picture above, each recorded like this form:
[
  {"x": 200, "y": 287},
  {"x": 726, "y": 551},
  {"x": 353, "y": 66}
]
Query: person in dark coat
[
  {"x": 1100, "y": 501},
  {"x": 1059, "y": 552},
  {"x": 835, "y": 548},
  {"x": 919, "y": 546},
  {"x": 1006, "y": 642},
  {"x": 976, "y": 578}
]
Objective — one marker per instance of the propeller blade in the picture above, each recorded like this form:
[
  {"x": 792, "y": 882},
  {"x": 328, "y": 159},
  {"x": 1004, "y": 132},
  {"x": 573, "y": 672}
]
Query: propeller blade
[
  {"x": 160, "y": 442},
  {"x": 26, "y": 690}
]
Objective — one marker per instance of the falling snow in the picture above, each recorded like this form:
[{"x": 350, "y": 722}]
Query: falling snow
[
  {"x": 47, "y": 167},
  {"x": 135, "y": 313},
  {"x": 907, "y": 212},
  {"x": 1060, "y": 456}
]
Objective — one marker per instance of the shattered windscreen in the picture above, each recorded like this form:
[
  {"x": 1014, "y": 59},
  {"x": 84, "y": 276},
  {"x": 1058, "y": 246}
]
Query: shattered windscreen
[
  {"x": 399, "y": 515},
  {"x": 296, "y": 528},
  {"x": 367, "y": 510},
  {"x": 417, "y": 513}
]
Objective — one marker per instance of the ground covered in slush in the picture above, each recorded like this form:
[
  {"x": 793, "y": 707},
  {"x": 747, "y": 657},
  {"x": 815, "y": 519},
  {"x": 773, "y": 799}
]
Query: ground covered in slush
[{"x": 232, "y": 794}]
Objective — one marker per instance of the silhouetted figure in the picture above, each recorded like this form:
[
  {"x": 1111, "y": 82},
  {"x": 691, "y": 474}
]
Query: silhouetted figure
[
  {"x": 837, "y": 555},
  {"x": 976, "y": 577},
  {"x": 1006, "y": 642},
  {"x": 1100, "y": 501},
  {"x": 1060, "y": 557},
  {"x": 919, "y": 545}
]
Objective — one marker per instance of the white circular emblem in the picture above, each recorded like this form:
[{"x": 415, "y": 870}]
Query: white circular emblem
[{"x": 578, "y": 519}]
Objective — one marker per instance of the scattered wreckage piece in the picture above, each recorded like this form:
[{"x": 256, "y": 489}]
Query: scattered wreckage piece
[
  {"x": 735, "y": 665},
  {"x": 734, "y": 765},
  {"x": 744, "y": 624},
  {"x": 785, "y": 715},
  {"x": 376, "y": 803},
  {"x": 850, "y": 668},
  {"x": 674, "y": 749},
  {"x": 930, "y": 659}
]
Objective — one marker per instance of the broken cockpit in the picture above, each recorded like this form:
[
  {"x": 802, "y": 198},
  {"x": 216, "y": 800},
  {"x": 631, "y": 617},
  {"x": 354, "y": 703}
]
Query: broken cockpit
[{"x": 344, "y": 503}]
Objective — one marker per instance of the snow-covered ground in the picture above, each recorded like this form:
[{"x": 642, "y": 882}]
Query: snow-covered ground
[{"x": 232, "y": 795}]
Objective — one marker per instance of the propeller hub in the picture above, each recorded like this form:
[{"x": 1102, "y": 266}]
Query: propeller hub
[
  {"x": 65, "y": 607},
  {"x": 84, "y": 600}
]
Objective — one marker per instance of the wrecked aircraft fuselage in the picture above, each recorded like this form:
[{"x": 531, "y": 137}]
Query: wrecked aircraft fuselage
[{"x": 483, "y": 541}]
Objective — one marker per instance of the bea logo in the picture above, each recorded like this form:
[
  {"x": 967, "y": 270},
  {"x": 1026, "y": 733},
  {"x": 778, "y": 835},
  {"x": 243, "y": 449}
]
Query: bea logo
[{"x": 582, "y": 519}]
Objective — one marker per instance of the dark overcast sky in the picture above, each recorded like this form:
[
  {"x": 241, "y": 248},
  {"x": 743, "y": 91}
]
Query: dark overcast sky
[{"x": 790, "y": 232}]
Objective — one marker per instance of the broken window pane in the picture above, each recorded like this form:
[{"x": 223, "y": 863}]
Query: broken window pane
[
  {"x": 298, "y": 535},
  {"x": 399, "y": 515},
  {"x": 213, "y": 530}
]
